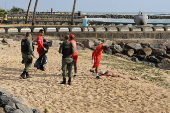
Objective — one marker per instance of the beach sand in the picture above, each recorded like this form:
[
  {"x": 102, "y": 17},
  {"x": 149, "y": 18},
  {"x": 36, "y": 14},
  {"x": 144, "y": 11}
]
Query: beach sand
[{"x": 86, "y": 94}]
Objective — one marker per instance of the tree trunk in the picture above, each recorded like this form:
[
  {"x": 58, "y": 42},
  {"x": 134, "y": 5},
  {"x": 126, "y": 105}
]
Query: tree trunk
[
  {"x": 26, "y": 20},
  {"x": 35, "y": 7},
  {"x": 72, "y": 19}
]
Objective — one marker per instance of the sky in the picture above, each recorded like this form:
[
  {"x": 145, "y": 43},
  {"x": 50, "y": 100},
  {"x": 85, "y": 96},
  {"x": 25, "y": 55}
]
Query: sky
[{"x": 91, "y": 5}]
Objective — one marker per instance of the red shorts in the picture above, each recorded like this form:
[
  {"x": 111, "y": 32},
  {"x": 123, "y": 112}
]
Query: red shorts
[
  {"x": 40, "y": 51},
  {"x": 75, "y": 58},
  {"x": 97, "y": 61}
]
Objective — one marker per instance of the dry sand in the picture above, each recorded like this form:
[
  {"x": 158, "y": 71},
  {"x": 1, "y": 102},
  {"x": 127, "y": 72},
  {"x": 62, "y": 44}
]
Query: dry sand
[{"x": 86, "y": 94}]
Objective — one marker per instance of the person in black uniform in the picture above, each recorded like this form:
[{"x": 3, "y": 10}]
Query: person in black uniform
[
  {"x": 27, "y": 53},
  {"x": 67, "y": 49}
]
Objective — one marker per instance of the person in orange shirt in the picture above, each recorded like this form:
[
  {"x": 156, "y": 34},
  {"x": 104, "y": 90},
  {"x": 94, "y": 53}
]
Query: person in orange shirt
[
  {"x": 40, "y": 43},
  {"x": 96, "y": 57},
  {"x": 75, "y": 55}
]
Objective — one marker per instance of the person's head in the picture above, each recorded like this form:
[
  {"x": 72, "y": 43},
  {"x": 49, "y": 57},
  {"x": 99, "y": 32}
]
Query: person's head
[
  {"x": 41, "y": 32},
  {"x": 105, "y": 48},
  {"x": 28, "y": 35},
  {"x": 72, "y": 36},
  {"x": 85, "y": 16},
  {"x": 66, "y": 38},
  {"x": 5, "y": 13}
]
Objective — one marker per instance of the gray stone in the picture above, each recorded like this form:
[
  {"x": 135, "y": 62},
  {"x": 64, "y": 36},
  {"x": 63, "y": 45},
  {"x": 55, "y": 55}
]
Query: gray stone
[
  {"x": 116, "y": 48},
  {"x": 145, "y": 51},
  {"x": 153, "y": 59},
  {"x": 158, "y": 45},
  {"x": 141, "y": 57},
  {"x": 130, "y": 52},
  {"x": 108, "y": 43},
  {"x": 166, "y": 63},
  {"x": 166, "y": 55},
  {"x": 135, "y": 59},
  {"x": 159, "y": 65},
  {"x": 12, "y": 104},
  {"x": 123, "y": 56},
  {"x": 88, "y": 43},
  {"x": 148, "y": 64},
  {"x": 158, "y": 51},
  {"x": 9, "y": 109},
  {"x": 7, "y": 99},
  {"x": 79, "y": 44},
  {"x": 167, "y": 44},
  {"x": 36, "y": 111},
  {"x": 160, "y": 58},
  {"x": 4, "y": 99},
  {"x": 108, "y": 52},
  {"x": 23, "y": 108},
  {"x": 122, "y": 44},
  {"x": 134, "y": 46},
  {"x": 141, "y": 19},
  {"x": 3, "y": 91},
  {"x": 56, "y": 43},
  {"x": 2, "y": 110},
  {"x": 144, "y": 45},
  {"x": 97, "y": 42},
  {"x": 18, "y": 100},
  {"x": 17, "y": 111}
]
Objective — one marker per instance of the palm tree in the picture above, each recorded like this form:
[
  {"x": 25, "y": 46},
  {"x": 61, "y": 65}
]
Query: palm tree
[
  {"x": 35, "y": 7},
  {"x": 26, "y": 20},
  {"x": 72, "y": 19}
]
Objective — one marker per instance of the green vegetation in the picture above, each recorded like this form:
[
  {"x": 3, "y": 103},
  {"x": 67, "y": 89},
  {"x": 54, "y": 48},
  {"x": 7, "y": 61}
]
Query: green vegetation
[
  {"x": 16, "y": 9},
  {"x": 146, "y": 72},
  {"x": 2, "y": 11},
  {"x": 44, "y": 15}
]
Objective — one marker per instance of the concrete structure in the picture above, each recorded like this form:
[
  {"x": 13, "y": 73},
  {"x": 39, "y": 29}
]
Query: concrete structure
[{"x": 105, "y": 32}]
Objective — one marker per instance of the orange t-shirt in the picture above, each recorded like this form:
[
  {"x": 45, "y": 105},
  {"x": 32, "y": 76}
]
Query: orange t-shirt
[
  {"x": 75, "y": 47},
  {"x": 98, "y": 51}
]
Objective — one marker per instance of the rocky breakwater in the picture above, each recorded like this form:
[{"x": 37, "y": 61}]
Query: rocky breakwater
[
  {"x": 151, "y": 54},
  {"x": 10, "y": 104},
  {"x": 126, "y": 16}
]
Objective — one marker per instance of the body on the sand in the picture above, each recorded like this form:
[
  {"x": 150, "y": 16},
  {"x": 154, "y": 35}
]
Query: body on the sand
[
  {"x": 27, "y": 53},
  {"x": 96, "y": 57},
  {"x": 113, "y": 74},
  {"x": 67, "y": 49}
]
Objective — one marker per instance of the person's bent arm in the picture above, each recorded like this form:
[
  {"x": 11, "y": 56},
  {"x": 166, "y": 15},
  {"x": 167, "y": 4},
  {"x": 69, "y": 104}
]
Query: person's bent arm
[
  {"x": 60, "y": 49},
  {"x": 73, "y": 50},
  {"x": 93, "y": 54}
]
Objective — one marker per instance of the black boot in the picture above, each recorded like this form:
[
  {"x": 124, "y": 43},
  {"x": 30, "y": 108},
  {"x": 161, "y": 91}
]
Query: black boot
[
  {"x": 64, "y": 81},
  {"x": 23, "y": 75},
  {"x": 69, "y": 81},
  {"x": 27, "y": 75}
]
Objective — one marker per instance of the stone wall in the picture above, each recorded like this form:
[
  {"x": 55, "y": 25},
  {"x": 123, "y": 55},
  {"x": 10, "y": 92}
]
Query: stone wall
[{"x": 114, "y": 36}]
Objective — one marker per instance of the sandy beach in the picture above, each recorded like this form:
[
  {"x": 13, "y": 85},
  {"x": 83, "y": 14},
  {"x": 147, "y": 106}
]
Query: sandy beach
[{"x": 86, "y": 94}]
